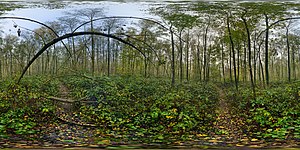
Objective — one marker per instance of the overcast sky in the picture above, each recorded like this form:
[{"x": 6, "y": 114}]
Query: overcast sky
[
  {"x": 45, "y": 15},
  {"x": 112, "y": 8}
]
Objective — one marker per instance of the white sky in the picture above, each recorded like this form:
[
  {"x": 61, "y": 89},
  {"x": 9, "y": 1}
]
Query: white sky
[
  {"x": 112, "y": 8},
  {"x": 43, "y": 15}
]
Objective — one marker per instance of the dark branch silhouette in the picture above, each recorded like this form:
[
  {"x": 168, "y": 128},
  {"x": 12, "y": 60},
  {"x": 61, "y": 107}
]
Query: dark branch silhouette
[
  {"x": 35, "y": 21},
  {"x": 121, "y": 17},
  {"x": 43, "y": 49}
]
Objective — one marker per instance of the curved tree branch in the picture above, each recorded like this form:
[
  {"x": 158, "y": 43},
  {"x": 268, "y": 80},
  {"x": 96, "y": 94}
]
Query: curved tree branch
[
  {"x": 44, "y": 48},
  {"x": 121, "y": 17},
  {"x": 35, "y": 21},
  {"x": 276, "y": 22}
]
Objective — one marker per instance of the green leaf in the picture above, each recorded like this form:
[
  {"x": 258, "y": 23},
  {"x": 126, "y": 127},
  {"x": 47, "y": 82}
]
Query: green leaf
[{"x": 160, "y": 137}]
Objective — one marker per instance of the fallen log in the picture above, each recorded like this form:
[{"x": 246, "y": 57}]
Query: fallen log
[{"x": 61, "y": 99}]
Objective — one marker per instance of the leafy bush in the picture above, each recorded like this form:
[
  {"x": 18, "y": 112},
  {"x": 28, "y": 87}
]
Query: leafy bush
[
  {"x": 41, "y": 85},
  {"x": 24, "y": 106},
  {"x": 17, "y": 121},
  {"x": 274, "y": 113},
  {"x": 147, "y": 106}
]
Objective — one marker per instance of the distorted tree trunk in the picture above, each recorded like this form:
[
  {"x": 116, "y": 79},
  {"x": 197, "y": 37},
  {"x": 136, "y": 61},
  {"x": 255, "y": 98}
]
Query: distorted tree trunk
[
  {"x": 198, "y": 58},
  {"x": 233, "y": 53},
  {"x": 145, "y": 59},
  {"x": 48, "y": 62},
  {"x": 205, "y": 52},
  {"x": 108, "y": 52},
  {"x": 54, "y": 60},
  {"x": 293, "y": 62},
  {"x": 254, "y": 60},
  {"x": 238, "y": 60},
  {"x": 222, "y": 59},
  {"x": 208, "y": 64},
  {"x": 180, "y": 55},
  {"x": 11, "y": 62},
  {"x": 267, "y": 49},
  {"x": 245, "y": 63},
  {"x": 187, "y": 55},
  {"x": 249, "y": 55},
  {"x": 6, "y": 60},
  {"x": 288, "y": 52},
  {"x": 103, "y": 56},
  {"x": 230, "y": 66},
  {"x": 261, "y": 65},
  {"x": 93, "y": 45},
  {"x": 98, "y": 43}
]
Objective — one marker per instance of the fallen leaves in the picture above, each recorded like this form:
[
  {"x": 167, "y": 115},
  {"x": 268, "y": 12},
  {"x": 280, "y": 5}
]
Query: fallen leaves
[
  {"x": 201, "y": 135},
  {"x": 254, "y": 140}
]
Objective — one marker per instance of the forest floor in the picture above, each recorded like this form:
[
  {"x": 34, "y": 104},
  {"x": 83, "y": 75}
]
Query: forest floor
[{"x": 229, "y": 133}]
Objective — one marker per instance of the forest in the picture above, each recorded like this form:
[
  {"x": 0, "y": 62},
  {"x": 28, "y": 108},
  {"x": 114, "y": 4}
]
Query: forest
[{"x": 199, "y": 74}]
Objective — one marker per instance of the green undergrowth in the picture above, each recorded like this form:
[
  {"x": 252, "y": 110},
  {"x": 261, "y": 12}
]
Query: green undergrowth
[
  {"x": 273, "y": 114},
  {"x": 23, "y": 106},
  {"x": 150, "y": 109},
  {"x": 146, "y": 107}
]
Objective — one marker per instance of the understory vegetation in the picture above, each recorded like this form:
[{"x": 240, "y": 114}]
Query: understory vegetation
[
  {"x": 24, "y": 107},
  {"x": 273, "y": 113},
  {"x": 214, "y": 73},
  {"x": 149, "y": 108}
]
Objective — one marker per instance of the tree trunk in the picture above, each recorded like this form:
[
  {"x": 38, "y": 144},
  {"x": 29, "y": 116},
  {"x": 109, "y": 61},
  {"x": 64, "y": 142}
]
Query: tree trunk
[
  {"x": 180, "y": 55},
  {"x": 205, "y": 52},
  {"x": 233, "y": 53},
  {"x": 187, "y": 56},
  {"x": 245, "y": 63},
  {"x": 261, "y": 68},
  {"x": 249, "y": 55},
  {"x": 73, "y": 58},
  {"x": 293, "y": 62},
  {"x": 93, "y": 48},
  {"x": 288, "y": 53},
  {"x": 238, "y": 60},
  {"x": 230, "y": 66},
  {"x": 254, "y": 60},
  {"x": 173, "y": 56},
  {"x": 208, "y": 65},
  {"x": 267, "y": 49},
  {"x": 103, "y": 56},
  {"x": 222, "y": 57},
  {"x": 11, "y": 63},
  {"x": 108, "y": 53},
  {"x": 145, "y": 59},
  {"x": 98, "y": 55},
  {"x": 198, "y": 58}
]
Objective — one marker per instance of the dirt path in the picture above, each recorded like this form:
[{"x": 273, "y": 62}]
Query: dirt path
[
  {"x": 68, "y": 131},
  {"x": 230, "y": 129},
  {"x": 63, "y": 91},
  {"x": 68, "y": 112},
  {"x": 62, "y": 107},
  {"x": 229, "y": 126}
]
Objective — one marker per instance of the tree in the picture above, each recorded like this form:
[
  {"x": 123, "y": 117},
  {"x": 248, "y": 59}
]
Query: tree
[
  {"x": 249, "y": 52},
  {"x": 110, "y": 26},
  {"x": 288, "y": 51},
  {"x": 68, "y": 24},
  {"x": 90, "y": 14},
  {"x": 176, "y": 18},
  {"x": 9, "y": 44},
  {"x": 232, "y": 50},
  {"x": 269, "y": 11}
]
